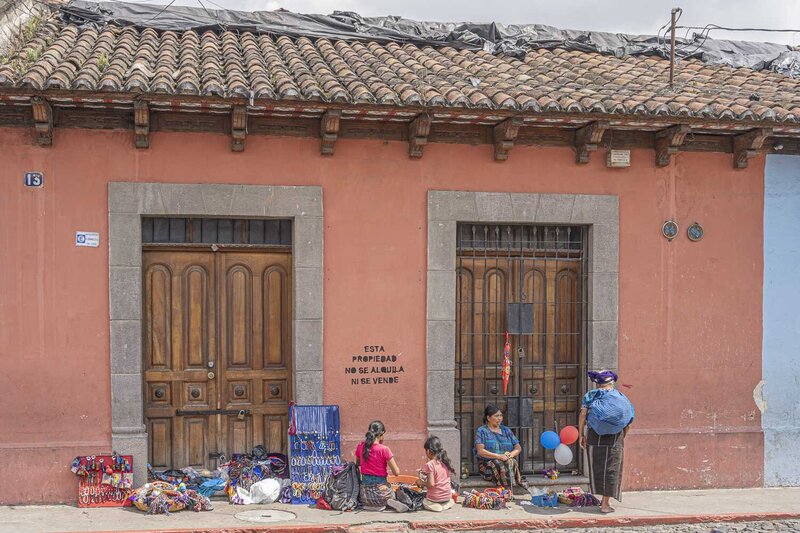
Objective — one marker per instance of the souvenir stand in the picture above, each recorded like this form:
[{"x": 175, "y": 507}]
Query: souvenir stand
[
  {"x": 103, "y": 480},
  {"x": 314, "y": 448}
]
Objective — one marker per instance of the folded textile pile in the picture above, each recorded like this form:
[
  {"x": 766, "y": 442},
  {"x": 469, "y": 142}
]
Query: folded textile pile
[
  {"x": 161, "y": 497},
  {"x": 576, "y": 497},
  {"x": 493, "y": 499}
]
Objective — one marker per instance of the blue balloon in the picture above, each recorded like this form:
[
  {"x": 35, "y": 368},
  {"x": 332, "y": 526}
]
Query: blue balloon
[{"x": 550, "y": 440}]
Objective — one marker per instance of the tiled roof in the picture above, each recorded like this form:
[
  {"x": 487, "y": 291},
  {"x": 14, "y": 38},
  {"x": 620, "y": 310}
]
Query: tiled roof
[{"x": 65, "y": 57}]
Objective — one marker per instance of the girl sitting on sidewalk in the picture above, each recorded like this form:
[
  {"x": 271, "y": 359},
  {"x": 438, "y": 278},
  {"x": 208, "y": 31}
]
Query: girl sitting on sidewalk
[
  {"x": 372, "y": 458},
  {"x": 436, "y": 477}
]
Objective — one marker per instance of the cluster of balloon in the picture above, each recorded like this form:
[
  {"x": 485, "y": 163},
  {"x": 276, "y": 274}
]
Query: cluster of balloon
[{"x": 560, "y": 443}]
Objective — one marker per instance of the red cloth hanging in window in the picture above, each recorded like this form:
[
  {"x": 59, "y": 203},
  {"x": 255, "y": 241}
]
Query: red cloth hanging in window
[{"x": 506, "y": 364}]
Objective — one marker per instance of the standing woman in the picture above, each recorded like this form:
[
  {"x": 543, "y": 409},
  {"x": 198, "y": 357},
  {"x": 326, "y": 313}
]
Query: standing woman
[
  {"x": 497, "y": 448},
  {"x": 372, "y": 458},
  {"x": 609, "y": 414}
]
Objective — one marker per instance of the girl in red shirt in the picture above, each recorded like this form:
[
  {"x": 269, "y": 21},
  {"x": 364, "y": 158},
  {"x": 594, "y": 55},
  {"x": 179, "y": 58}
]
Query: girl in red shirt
[{"x": 373, "y": 458}]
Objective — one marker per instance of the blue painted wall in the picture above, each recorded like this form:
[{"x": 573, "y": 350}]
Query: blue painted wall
[{"x": 781, "y": 348}]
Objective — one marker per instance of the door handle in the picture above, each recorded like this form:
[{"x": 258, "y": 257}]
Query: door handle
[{"x": 211, "y": 375}]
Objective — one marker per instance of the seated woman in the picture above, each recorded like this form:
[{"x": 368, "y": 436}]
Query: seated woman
[
  {"x": 497, "y": 449},
  {"x": 373, "y": 458}
]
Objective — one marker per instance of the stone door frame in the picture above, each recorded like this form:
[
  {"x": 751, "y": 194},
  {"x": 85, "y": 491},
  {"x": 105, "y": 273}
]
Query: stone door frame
[
  {"x": 445, "y": 210},
  {"x": 127, "y": 203}
]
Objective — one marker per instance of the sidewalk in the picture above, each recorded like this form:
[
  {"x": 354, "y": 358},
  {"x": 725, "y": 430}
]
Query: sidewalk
[{"x": 640, "y": 508}]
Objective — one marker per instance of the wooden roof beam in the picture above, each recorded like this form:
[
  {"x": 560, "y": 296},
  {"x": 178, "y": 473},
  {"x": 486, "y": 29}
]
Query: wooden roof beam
[
  {"x": 505, "y": 134},
  {"x": 238, "y": 127},
  {"x": 668, "y": 141},
  {"x": 329, "y": 130},
  {"x": 587, "y": 139},
  {"x": 141, "y": 124},
  {"x": 42, "y": 121},
  {"x": 747, "y": 145},
  {"x": 418, "y": 131}
]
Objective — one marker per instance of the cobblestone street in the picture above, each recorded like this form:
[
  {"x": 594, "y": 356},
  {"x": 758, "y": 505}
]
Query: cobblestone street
[{"x": 743, "y": 527}]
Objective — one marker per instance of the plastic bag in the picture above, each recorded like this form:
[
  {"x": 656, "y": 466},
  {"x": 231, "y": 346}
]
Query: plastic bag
[
  {"x": 265, "y": 491},
  {"x": 536, "y": 491},
  {"x": 242, "y": 497},
  {"x": 411, "y": 498}
]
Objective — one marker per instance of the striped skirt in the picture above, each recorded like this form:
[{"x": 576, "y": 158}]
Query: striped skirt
[
  {"x": 375, "y": 495},
  {"x": 496, "y": 471},
  {"x": 605, "y": 454}
]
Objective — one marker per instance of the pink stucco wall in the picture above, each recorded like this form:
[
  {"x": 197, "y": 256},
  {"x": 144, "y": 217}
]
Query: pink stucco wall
[{"x": 689, "y": 313}]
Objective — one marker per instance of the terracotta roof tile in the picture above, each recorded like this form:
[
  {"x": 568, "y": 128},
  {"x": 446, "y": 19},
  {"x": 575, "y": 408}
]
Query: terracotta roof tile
[{"x": 111, "y": 59}]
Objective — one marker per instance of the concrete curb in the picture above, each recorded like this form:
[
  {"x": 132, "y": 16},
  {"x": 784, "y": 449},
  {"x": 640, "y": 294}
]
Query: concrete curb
[
  {"x": 603, "y": 521},
  {"x": 486, "y": 525}
]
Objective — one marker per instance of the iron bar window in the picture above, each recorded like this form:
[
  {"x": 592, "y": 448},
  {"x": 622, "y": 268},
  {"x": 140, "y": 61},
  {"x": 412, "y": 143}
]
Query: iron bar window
[
  {"x": 529, "y": 281},
  {"x": 173, "y": 230}
]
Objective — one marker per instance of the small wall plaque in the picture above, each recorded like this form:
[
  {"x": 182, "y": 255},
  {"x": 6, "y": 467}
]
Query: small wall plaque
[
  {"x": 34, "y": 179},
  {"x": 695, "y": 232},
  {"x": 87, "y": 238},
  {"x": 670, "y": 229},
  {"x": 618, "y": 158}
]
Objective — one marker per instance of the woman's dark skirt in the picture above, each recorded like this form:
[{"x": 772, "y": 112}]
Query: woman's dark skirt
[{"x": 605, "y": 454}]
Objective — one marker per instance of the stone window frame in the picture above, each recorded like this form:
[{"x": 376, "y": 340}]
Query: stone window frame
[
  {"x": 127, "y": 203},
  {"x": 600, "y": 213}
]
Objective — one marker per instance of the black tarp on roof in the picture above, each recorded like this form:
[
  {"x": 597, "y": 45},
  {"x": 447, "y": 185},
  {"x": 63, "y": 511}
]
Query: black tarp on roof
[{"x": 509, "y": 39}]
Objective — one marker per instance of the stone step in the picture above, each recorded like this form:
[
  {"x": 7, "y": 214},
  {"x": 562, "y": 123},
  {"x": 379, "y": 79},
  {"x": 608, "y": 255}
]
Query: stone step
[{"x": 563, "y": 482}]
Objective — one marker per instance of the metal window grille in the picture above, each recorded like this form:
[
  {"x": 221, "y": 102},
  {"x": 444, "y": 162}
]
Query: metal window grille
[
  {"x": 529, "y": 281},
  {"x": 162, "y": 230}
]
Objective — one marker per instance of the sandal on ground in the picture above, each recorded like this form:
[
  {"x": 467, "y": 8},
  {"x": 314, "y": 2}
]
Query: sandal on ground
[{"x": 607, "y": 511}]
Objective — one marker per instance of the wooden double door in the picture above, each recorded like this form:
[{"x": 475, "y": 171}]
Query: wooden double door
[{"x": 217, "y": 353}]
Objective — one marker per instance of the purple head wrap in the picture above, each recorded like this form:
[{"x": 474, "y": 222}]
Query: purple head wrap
[{"x": 606, "y": 376}]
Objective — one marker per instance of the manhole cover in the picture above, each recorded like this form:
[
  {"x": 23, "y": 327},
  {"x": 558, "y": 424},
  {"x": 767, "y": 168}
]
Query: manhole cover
[{"x": 267, "y": 515}]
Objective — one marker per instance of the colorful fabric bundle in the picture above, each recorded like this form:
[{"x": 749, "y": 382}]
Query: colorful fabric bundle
[
  {"x": 243, "y": 471},
  {"x": 160, "y": 497},
  {"x": 576, "y": 497},
  {"x": 489, "y": 499},
  {"x": 585, "y": 500},
  {"x": 278, "y": 465}
]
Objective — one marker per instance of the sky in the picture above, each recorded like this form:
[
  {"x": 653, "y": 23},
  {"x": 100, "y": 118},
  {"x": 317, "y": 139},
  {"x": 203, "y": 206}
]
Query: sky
[{"x": 623, "y": 16}]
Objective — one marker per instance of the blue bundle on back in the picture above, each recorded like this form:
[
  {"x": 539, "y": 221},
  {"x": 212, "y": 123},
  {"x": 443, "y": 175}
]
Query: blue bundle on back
[{"x": 609, "y": 411}]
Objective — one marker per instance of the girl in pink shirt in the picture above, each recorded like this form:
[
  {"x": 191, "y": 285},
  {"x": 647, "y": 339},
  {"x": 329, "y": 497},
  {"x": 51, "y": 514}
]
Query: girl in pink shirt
[
  {"x": 373, "y": 458},
  {"x": 436, "y": 477}
]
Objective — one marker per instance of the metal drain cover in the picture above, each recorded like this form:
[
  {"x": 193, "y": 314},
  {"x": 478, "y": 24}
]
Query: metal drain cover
[{"x": 265, "y": 515}]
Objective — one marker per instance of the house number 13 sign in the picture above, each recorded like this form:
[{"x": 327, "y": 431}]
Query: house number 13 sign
[{"x": 34, "y": 179}]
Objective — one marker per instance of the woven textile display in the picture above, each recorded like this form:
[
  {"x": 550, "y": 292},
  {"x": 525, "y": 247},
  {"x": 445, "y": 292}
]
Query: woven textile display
[{"x": 313, "y": 449}]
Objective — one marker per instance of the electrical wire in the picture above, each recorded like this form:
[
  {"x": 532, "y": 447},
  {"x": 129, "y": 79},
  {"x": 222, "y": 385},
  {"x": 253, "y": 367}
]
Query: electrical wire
[
  {"x": 159, "y": 13},
  {"x": 724, "y": 28},
  {"x": 214, "y": 17},
  {"x": 217, "y": 5}
]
